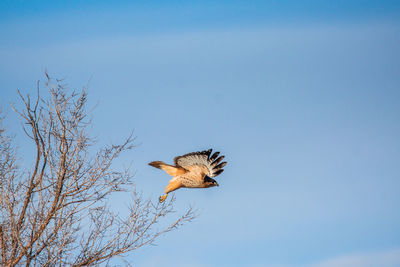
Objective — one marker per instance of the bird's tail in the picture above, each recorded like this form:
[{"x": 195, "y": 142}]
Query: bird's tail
[{"x": 171, "y": 170}]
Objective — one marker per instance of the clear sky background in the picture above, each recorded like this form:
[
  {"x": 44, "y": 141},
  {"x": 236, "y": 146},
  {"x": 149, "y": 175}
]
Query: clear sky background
[{"x": 303, "y": 98}]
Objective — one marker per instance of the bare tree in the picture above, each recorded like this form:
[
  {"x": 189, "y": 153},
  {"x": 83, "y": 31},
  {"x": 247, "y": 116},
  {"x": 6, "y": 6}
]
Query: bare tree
[{"x": 56, "y": 212}]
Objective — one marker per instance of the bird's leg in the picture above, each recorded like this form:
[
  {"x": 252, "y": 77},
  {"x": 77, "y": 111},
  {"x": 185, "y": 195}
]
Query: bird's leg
[
  {"x": 162, "y": 198},
  {"x": 172, "y": 186}
]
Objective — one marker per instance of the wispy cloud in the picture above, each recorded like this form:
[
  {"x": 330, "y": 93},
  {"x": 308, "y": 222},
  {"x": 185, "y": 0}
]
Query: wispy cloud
[{"x": 388, "y": 258}]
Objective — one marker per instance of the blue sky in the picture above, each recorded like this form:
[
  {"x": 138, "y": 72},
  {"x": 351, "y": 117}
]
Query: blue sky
[{"x": 303, "y": 98}]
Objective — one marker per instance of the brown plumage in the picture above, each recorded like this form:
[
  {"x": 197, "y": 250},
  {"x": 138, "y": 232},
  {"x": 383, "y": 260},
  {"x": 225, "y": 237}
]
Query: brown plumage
[{"x": 193, "y": 170}]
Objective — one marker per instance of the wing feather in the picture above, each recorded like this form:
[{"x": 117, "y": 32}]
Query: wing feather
[
  {"x": 202, "y": 158},
  {"x": 218, "y": 160},
  {"x": 214, "y": 156}
]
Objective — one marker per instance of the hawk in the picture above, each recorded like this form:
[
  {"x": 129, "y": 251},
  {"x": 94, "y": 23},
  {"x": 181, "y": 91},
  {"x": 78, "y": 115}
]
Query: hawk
[{"x": 192, "y": 170}]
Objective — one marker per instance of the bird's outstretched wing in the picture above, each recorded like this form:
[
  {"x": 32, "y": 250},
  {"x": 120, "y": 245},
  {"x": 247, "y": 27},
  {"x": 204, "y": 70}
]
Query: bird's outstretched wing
[{"x": 202, "y": 158}]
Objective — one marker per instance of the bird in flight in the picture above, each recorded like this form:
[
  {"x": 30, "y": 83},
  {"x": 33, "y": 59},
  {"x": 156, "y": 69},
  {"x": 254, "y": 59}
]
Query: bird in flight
[{"x": 192, "y": 170}]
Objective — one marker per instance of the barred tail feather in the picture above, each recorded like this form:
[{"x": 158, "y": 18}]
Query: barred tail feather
[
  {"x": 157, "y": 164},
  {"x": 171, "y": 170}
]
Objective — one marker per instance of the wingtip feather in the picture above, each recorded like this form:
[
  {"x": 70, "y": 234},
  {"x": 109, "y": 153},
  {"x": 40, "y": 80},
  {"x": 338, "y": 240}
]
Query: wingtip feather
[
  {"x": 218, "y": 172},
  {"x": 214, "y": 156},
  {"x": 221, "y": 165}
]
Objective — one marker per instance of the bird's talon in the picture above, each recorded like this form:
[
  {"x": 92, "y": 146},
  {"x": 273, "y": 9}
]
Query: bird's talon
[{"x": 162, "y": 198}]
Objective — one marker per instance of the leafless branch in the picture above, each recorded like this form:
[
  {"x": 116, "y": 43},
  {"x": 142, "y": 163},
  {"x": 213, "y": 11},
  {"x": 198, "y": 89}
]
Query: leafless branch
[{"x": 56, "y": 212}]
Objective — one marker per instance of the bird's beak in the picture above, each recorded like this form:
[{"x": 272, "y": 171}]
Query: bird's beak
[{"x": 216, "y": 183}]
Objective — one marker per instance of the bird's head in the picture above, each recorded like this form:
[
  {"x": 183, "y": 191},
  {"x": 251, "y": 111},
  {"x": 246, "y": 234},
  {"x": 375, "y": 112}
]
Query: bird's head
[{"x": 210, "y": 182}]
